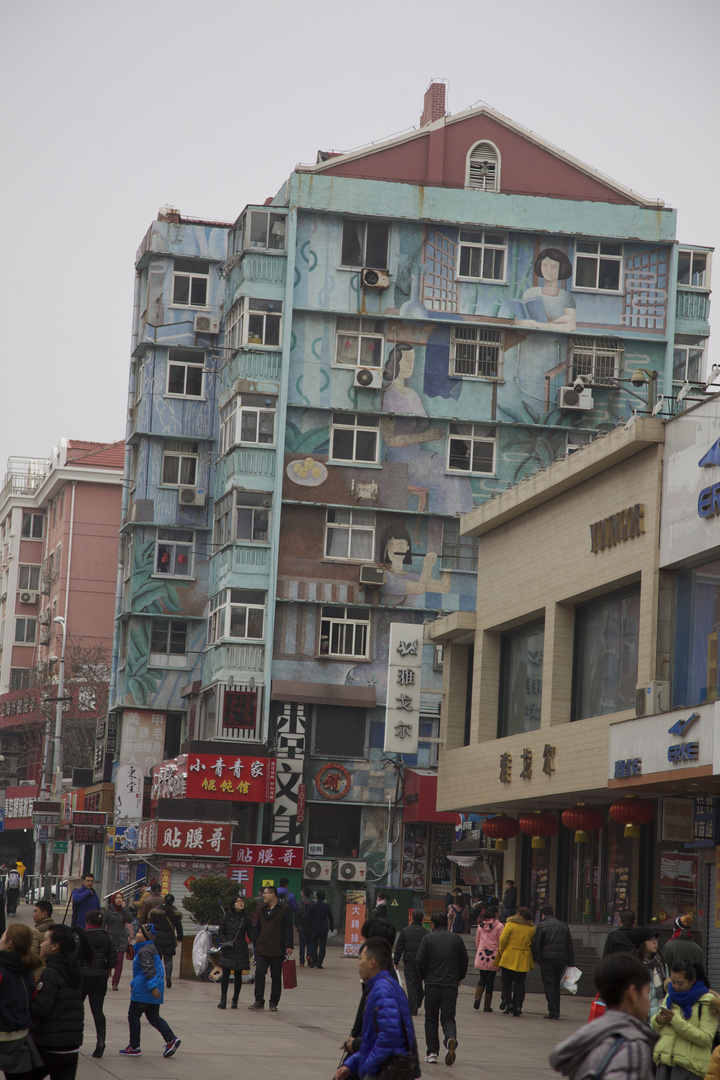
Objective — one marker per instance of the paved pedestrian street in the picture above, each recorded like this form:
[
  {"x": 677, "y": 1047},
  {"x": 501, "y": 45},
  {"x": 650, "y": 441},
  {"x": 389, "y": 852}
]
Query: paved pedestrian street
[{"x": 302, "y": 1040}]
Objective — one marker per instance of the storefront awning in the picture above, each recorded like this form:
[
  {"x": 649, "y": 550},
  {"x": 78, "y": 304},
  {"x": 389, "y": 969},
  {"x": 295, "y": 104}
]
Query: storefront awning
[
  {"x": 420, "y": 799},
  {"x": 356, "y": 697}
]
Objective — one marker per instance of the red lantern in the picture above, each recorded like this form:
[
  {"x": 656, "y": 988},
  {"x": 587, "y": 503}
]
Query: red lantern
[
  {"x": 632, "y": 813},
  {"x": 540, "y": 824},
  {"x": 500, "y": 828},
  {"x": 583, "y": 819}
]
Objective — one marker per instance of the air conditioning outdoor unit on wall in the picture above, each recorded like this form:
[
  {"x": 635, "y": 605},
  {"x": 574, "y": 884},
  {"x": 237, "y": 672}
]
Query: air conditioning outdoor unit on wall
[
  {"x": 651, "y": 698},
  {"x": 372, "y": 576},
  {"x": 570, "y": 398},
  {"x": 374, "y": 279},
  {"x": 317, "y": 869},
  {"x": 368, "y": 378},
  {"x": 45, "y": 617},
  {"x": 28, "y": 598},
  {"x": 207, "y": 324},
  {"x": 352, "y": 871},
  {"x": 191, "y": 496}
]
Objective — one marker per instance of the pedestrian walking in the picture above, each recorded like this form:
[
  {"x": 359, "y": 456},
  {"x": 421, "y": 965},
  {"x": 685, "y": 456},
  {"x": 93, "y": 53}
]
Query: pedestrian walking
[
  {"x": 514, "y": 959},
  {"x": 303, "y": 922},
  {"x": 371, "y": 928},
  {"x": 388, "y": 1037},
  {"x": 681, "y": 945},
  {"x": 149, "y": 900},
  {"x": 456, "y": 911},
  {"x": 118, "y": 921},
  {"x": 406, "y": 949},
  {"x": 234, "y": 954},
  {"x": 442, "y": 964},
  {"x": 380, "y": 909},
  {"x": 552, "y": 947},
  {"x": 18, "y": 961},
  {"x": 285, "y": 895},
  {"x": 651, "y": 956},
  {"x": 686, "y": 1024},
  {"x": 487, "y": 939},
  {"x": 508, "y": 904},
  {"x": 622, "y": 939},
  {"x": 618, "y": 1045},
  {"x": 167, "y": 921},
  {"x": 95, "y": 976},
  {"x": 146, "y": 994},
  {"x": 84, "y": 900},
  {"x": 273, "y": 942},
  {"x": 43, "y": 920},
  {"x": 12, "y": 890},
  {"x": 321, "y": 922},
  {"x": 57, "y": 1010}
]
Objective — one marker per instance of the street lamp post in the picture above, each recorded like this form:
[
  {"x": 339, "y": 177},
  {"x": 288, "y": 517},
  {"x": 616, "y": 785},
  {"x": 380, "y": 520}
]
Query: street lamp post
[{"x": 57, "y": 741}]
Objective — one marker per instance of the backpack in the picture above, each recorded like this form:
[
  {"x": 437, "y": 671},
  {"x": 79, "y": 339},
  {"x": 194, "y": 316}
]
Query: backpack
[
  {"x": 13, "y": 880},
  {"x": 304, "y": 921}
]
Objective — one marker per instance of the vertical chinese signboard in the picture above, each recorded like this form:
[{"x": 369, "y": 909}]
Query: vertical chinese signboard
[
  {"x": 402, "y": 712},
  {"x": 356, "y": 906}
]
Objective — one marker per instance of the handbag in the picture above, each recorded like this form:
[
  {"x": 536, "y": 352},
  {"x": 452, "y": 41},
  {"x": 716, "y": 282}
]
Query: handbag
[
  {"x": 129, "y": 952},
  {"x": 570, "y": 979},
  {"x": 289, "y": 975}
]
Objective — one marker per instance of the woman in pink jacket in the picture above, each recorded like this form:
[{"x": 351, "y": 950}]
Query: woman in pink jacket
[{"x": 487, "y": 936}]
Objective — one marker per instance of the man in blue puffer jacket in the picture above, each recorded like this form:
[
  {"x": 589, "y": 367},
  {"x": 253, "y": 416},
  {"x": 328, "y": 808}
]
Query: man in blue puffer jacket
[
  {"x": 146, "y": 993},
  {"x": 388, "y": 1038}
]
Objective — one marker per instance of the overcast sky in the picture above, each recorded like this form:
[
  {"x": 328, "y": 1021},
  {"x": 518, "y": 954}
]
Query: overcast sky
[{"x": 111, "y": 110}]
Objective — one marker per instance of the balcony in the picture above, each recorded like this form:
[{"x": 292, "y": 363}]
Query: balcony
[
  {"x": 233, "y": 661},
  {"x": 692, "y": 311}
]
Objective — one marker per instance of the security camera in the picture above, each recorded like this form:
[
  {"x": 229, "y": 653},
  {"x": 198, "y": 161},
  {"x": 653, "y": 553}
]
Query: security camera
[
  {"x": 639, "y": 377},
  {"x": 579, "y": 384}
]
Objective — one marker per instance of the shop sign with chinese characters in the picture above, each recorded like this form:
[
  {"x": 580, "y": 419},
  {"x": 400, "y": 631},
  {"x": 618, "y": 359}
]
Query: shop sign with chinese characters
[
  {"x": 525, "y": 763},
  {"x": 207, "y": 839},
  {"x": 267, "y": 855},
  {"x": 143, "y": 738},
  {"x": 355, "y": 911},
  {"x": 402, "y": 712},
  {"x": 215, "y": 776}
]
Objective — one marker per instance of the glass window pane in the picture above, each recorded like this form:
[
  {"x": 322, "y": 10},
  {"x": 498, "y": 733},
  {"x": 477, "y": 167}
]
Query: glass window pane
[
  {"x": 198, "y": 293},
  {"x": 272, "y": 329},
  {"x": 194, "y": 379},
  {"x": 262, "y": 523},
  {"x": 586, "y": 245},
  {"x": 699, "y": 266},
  {"x": 361, "y": 546},
  {"x": 249, "y": 426},
  {"x": 460, "y": 454},
  {"x": 683, "y": 272},
  {"x": 176, "y": 379},
  {"x": 482, "y": 457},
  {"x": 256, "y": 329},
  {"x": 377, "y": 245},
  {"x": 182, "y": 560},
  {"x": 244, "y": 523},
  {"x": 609, "y": 274},
  {"x": 521, "y": 680},
  {"x": 178, "y": 638},
  {"x": 238, "y": 620},
  {"x": 371, "y": 352},
  {"x": 336, "y": 543},
  {"x": 586, "y": 273},
  {"x": 607, "y": 655},
  {"x": 495, "y": 238},
  {"x": 187, "y": 470},
  {"x": 181, "y": 290},
  {"x": 366, "y": 446},
  {"x": 342, "y": 445},
  {"x": 255, "y": 622},
  {"x": 163, "y": 560},
  {"x": 276, "y": 239},
  {"x": 346, "y": 350},
  {"x": 258, "y": 229},
  {"x": 352, "y": 243},
  {"x": 158, "y": 638},
  {"x": 694, "y": 368},
  {"x": 170, "y": 469}
]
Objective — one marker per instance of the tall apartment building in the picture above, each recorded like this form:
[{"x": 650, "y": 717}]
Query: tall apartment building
[{"x": 401, "y": 334}]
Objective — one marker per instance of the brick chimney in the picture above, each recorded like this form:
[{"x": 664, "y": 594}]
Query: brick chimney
[{"x": 433, "y": 103}]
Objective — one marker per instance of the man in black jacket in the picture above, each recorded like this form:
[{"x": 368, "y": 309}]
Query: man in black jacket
[
  {"x": 552, "y": 946},
  {"x": 622, "y": 939},
  {"x": 408, "y": 943},
  {"x": 273, "y": 939},
  {"x": 95, "y": 978},
  {"x": 442, "y": 964}
]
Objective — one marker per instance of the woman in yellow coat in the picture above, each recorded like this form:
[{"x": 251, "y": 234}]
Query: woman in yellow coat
[{"x": 514, "y": 959}]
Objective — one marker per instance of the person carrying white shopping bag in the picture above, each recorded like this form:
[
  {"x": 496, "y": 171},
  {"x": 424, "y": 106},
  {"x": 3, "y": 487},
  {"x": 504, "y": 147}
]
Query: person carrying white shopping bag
[{"x": 552, "y": 947}]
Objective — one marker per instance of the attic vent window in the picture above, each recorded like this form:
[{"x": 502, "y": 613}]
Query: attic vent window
[{"x": 483, "y": 168}]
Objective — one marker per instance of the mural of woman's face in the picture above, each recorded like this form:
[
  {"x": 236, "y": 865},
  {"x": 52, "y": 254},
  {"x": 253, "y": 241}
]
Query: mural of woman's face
[
  {"x": 550, "y": 269},
  {"x": 406, "y": 364},
  {"x": 397, "y": 545}
]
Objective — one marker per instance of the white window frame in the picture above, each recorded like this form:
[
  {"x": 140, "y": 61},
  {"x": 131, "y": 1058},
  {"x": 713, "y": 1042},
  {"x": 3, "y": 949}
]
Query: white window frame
[
  {"x": 182, "y": 362},
  {"x": 33, "y": 520},
  {"x": 271, "y": 229},
  {"x": 222, "y": 606},
  {"x": 27, "y": 624},
  {"x": 184, "y": 459},
  {"x": 337, "y": 628},
  {"x": 491, "y": 181},
  {"x": 482, "y": 347},
  {"x": 190, "y": 269},
  {"x": 32, "y": 575},
  {"x": 687, "y": 349},
  {"x": 358, "y": 525},
  {"x": 227, "y": 510},
  {"x": 345, "y": 422},
  {"x": 479, "y": 434},
  {"x": 364, "y": 222},
  {"x": 176, "y": 544},
  {"x": 476, "y": 240},
  {"x": 361, "y": 333},
  {"x": 169, "y": 657},
  {"x": 588, "y": 359},
  {"x": 598, "y": 256},
  {"x": 241, "y": 408},
  {"x": 690, "y": 284},
  {"x": 255, "y": 310}
]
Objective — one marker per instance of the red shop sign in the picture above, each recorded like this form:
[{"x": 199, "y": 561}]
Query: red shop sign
[
  {"x": 216, "y": 776},
  {"x": 202, "y": 839}
]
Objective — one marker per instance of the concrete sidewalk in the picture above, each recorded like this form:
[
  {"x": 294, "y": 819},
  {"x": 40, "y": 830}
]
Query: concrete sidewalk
[{"x": 303, "y": 1039}]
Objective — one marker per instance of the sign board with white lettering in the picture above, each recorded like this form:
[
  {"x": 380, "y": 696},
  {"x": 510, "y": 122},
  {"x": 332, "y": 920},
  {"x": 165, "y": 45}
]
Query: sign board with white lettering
[{"x": 402, "y": 711}]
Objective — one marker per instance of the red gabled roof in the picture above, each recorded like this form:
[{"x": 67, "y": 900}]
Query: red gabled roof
[
  {"x": 96, "y": 454},
  {"x": 436, "y": 155}
]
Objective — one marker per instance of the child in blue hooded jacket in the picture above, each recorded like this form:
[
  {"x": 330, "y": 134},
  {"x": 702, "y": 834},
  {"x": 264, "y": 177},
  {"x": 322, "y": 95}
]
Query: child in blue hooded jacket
[{"x": 146, "y": 993}]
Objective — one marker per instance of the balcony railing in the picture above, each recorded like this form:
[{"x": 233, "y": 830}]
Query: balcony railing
[{"x": 692, "y": 305}]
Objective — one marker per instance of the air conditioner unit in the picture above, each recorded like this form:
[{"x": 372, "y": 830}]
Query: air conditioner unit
[
  {"x": 28, "y": 598},
  {"x": 372, "y": 576},
  {"x": 45, "y": 632},
  {"x": 207, "y": 324},
  {"x": 370, "y": 378},
  {"x": 374, "y": 279},
  {"x": 191, "y": 496},
  {"x": 570, "y": 398},
  {"x": 45, "y": 617},
  {"x": 352, "y": 871},
  {"x": 318, "y": 869},
  {"x": 651, "y": 698}
]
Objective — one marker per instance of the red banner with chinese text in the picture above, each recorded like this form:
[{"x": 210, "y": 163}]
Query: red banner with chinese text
[
  {"x": 215, "y": 776},
  {"x": 207, "y": 839}
]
